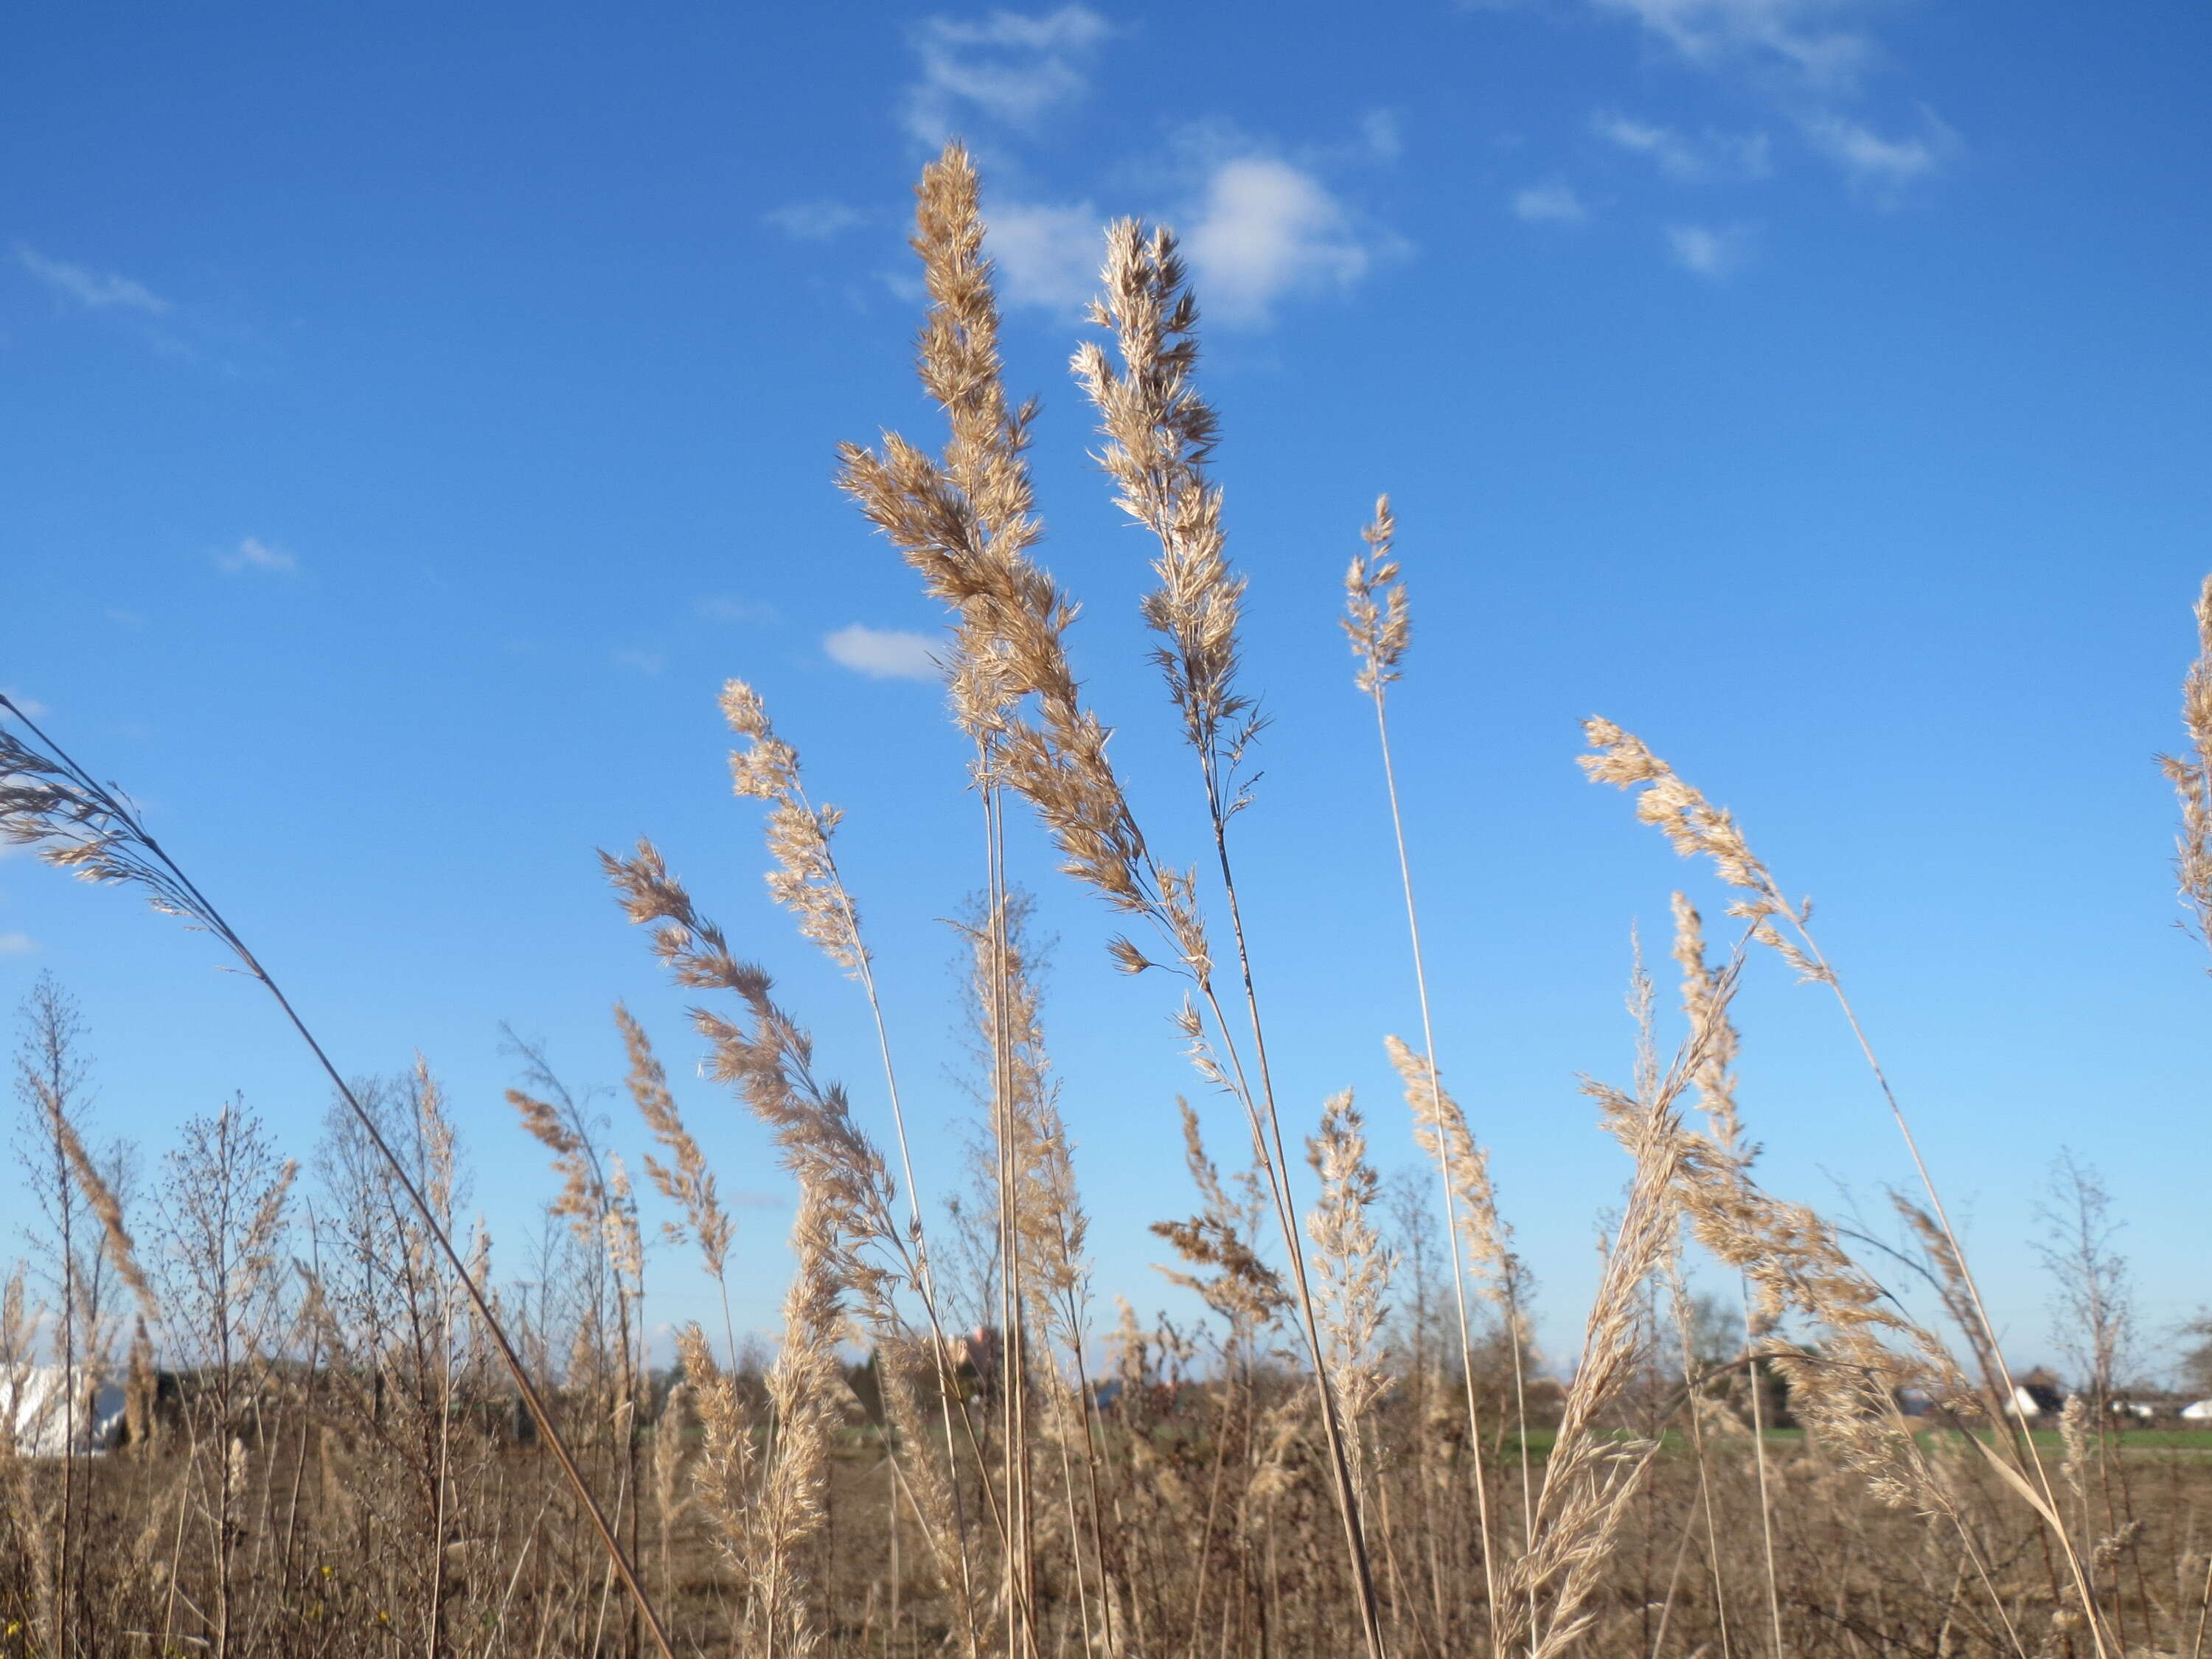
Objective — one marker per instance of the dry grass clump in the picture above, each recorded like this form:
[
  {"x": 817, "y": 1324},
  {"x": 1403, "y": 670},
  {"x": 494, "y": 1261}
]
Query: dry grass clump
[{"x": 340, "y": 1432}]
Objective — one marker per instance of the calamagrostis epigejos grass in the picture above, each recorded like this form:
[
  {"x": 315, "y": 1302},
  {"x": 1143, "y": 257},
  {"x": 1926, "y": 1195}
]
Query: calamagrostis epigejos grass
[
  {"x": 1160, "y": 433},
  {"x": 688, "y": 1182},
  {"x": 49, "y": 802},
  {"x": 804, "y": 879},
  {"x": 1588, "y": 1479},
  {"x": 1694, "y": 826},
  {"x": 966, "y": 522},
  {"x": 1352, "y": 1270},
  {"x": 1378, "y": 621}
]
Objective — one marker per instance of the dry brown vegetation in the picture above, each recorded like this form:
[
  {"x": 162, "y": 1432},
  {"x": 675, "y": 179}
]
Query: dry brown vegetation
[{"x": 338, "y": 1435}]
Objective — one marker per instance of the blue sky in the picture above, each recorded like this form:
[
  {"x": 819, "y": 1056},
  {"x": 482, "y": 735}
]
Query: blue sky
[{"x": 415, "y": 413}]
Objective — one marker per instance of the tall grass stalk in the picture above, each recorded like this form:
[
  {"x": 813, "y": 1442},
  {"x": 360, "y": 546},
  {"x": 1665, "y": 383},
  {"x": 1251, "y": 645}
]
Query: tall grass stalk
[
  {"x": 1379, "y": 622},
  {"x": 50, "y": 803}
]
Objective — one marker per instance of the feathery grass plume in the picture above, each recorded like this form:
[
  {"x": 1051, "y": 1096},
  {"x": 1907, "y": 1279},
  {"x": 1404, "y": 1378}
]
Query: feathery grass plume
[
  {"x": 846, "y": 1236},
  {"x": 688, "y": 1184},
  {"x": 122, "y": 1250},
  {"x": 1590, "y": 1477},
  {"x": 769, "y": 1060},
  {"x": 1482, "y": 1240},
  {"x": 806, "y": 881},
  {"x": 1244, "y": 1290},
  {"x": 901, "y": 1364},
  {"x": 726, "y": 1469},
  {"x": 1716, "y": 1035},
  {"x": 1440, "y": 1130},
  {"x": 51, "y": 803},
  {"x": 803, "y": 1387},
  {"x": 805, "y": 878},
  {"x": 763, "y": 1502},
  {"x": 1352, "y": 1271},
  {"x": 1160, "y": 433},
  {"x": 1701, "y": 1004},
  {"x": 1861, "y": 1353},
  {"x": 966, "y": 524},
  {"x": 1378, "y": 619},
  {"x": 1693, "y": 825},
  {"x": 2191, "y": 777}
]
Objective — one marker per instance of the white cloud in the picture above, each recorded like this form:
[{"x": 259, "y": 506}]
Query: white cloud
[
  {"x": 1268, "y": 229},
  {"x": 94, "y": 290},
  {"x": 725, "y": 608},
  {"x": 1873, "y": 162},
  {"x": 32, "y": 708},
  {"x": 1549, "y": 204},
  {"x": 17, "y": 944},
  {"x": 814, "y": 221},
  {"x": 1714, "y": 154},
  {"x": 1801, "y": 37},
  {"x": 1707, "y": 251},
  {"x": 883, "y": 653},
  {"x": 1009, "y": 66},
  {"x": 644, "y": 662},
  {"x": 1047, "y": 255},
  {"x": 254, "y": 554}
]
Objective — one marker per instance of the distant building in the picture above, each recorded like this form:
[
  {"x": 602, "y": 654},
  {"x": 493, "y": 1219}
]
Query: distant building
[
  {"x": 2199, "y": 1412},
  {"x": 2036, "y": 1394},
  {"x": 34, "y": 1418}
]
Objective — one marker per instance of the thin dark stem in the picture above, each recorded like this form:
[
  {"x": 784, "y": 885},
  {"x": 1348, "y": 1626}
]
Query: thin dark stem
[{"x": 199, "y": 906}]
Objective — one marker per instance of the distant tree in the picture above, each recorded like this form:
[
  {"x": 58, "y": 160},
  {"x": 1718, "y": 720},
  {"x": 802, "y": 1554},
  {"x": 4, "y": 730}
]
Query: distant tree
[
  {"x": 2093, "y": 1308},
  {"x": 2196, "y": 1367}
]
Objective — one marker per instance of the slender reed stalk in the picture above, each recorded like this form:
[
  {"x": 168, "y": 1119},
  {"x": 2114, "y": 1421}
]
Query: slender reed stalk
[
  {"x": 1160, "y": 435},
  {"x": 1378, "y": 621},
  {"x": 47, "y": 801}
]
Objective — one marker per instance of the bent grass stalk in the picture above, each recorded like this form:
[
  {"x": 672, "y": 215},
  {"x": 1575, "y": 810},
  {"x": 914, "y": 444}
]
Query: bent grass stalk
[
  {"x": 1693, "y": 826},
  {"x": 50, "y": 803}
]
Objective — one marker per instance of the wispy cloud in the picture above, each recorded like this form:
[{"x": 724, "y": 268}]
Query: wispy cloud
[
  {"x": 1801, "y": 39},
  {"x": 94, "y": 290},
  {"x": 642, "y": 662},
  {"x": 1047, "y": 255},
  {"x": 1383, "y": 135},
  {"x": 1010, "y": 66},
  {"x": 883, "y": 653},
  {"x": 30, "y": 706},
  {"x": 17, "y": 943},
  {"x": 254, "y": 554},
  {"x": 1679, "y": 156},
  {"x": 814, "y": 221},
  {"x": 1553, "y": 203},
  {"x": 1876, "y": 164},
  {"x": 1710, "y": 251},
  {"x": 727, "y": 608},
  {"x": 1810, "y": 59},
  {"x": 1266, "y": 230}
]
